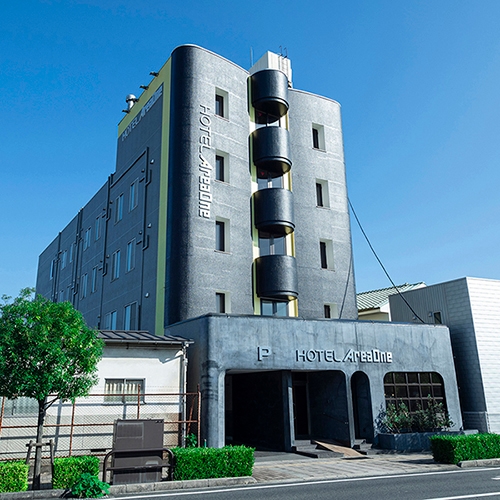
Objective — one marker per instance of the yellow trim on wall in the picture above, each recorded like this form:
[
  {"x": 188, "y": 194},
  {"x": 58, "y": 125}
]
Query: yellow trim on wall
[{"x": 165, "y": 78}]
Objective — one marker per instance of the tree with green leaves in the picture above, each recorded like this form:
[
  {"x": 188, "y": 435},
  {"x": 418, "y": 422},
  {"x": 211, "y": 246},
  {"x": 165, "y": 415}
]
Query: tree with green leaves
[{"x": 47, "y": 353}]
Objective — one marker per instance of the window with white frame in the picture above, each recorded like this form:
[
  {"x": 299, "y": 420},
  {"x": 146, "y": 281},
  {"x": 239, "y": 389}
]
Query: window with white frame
[
  {"x": 331, "y": 311},
  {"x": 318, "y": 136},
  {"x": 130, "y": 261},
  {"x": 119, "y": 390},
  {"x": 221, "y": 166},
  {"x": 115, "y": 265},
  {"x": 222, "y": 234},
  {"x": 222, "y": 302},
  {"x": 322, "y": 196},
  {"x": 129, "y": 317},
  {"x": 133, "y": 194},
  {"x": 119, "y": 208},
  {"x": 326, "y": 254},
  {"x": 221, "y": 103}
]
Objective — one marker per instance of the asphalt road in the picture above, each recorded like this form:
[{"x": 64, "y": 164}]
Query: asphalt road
[{"x": 445, "y": 485}]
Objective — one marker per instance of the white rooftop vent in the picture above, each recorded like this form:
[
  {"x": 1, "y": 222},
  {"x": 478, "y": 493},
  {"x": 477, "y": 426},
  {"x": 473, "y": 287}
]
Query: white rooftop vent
[{"x": 270, "y": 60}]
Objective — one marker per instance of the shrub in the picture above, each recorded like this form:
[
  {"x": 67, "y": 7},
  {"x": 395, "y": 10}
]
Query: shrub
[
  {"x": 204, "y": 463},
  {"x": 67, "y": 471},
  {"x": 89, "y": 486},
  {"x": 454, "y": 449},
  {"x": 13, "y": 476},
  {"x": 398, "y": 418}
]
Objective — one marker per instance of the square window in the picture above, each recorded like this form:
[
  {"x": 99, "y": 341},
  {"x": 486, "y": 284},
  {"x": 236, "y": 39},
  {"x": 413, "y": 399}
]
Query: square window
[
  {"x": 331, "y": 311},
  {"x": 318, "y": 137},
  {"x": 271, "y": 245}
]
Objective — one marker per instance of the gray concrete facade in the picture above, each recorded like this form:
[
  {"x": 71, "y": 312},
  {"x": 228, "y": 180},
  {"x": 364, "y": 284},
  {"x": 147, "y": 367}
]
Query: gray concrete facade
[
  {"x": 329, "y": 353},
  {"x": 168, "y": 239}
]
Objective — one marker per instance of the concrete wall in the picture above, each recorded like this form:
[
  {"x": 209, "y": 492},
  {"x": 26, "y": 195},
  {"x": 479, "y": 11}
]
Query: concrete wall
[{"x": 238, "y": 343}]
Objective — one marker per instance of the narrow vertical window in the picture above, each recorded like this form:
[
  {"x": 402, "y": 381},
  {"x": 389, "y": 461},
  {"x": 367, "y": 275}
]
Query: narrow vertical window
[
  {"x": 52, "y": 269},
  {"x": 319, "y": 195},
  {"x": 315, "y": 132},
  {"x": 86, "y": 238},
  {"x": 97, "y": 228},
  {"x": 115, "y": 265},
  {"x": 220, "y": 302},
  {"x": 220, "y": 237},
  {"x": 327, "y": 311},
  {"x": 219, "y": 105},
  {"x": 133, "y": 195},
  {"x": 85, "y": 284},
  {"x": 71, "y": 250},
  {"x": 318, "y": 137},
  {"x": 119, "y": 208},
  {"x": 326, "y": 254},
  {"x": 110, "y": 321},
  {"x": 129, "y": 320},
  {"x": 437, "y": 318},
  {"x": 64, "y": 259},
  {"x": 322, "y": 251},
  {"x": 93, "y": 286},
  {"x": 219, "y": 168},
  {"x": 130, "y": 255}
]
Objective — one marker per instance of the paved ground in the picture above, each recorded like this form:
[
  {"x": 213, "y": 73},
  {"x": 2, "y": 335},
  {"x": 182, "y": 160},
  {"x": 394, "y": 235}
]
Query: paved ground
[{"x": 288, "y": 467}]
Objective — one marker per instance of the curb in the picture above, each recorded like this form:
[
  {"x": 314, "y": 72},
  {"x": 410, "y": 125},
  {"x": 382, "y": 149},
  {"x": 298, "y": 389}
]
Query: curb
[
  {"x": 488, "y": 462},
  {"x": 120, "y": 489}
]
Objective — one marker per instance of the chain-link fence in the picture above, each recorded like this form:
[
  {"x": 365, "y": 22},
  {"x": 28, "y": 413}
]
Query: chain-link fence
[{"x": 87, "y": 425}]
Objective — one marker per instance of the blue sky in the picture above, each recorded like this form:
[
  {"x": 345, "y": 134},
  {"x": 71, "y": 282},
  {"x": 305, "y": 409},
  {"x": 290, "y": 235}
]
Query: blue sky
[{"x": 418, "y": 82}]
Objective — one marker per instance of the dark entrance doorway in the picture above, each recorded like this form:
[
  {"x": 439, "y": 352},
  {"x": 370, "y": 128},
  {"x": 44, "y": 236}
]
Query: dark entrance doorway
[
  {"x": 362, "y": 406},
  {"x": 256, "y": 410},
  {"x": 300, "y": 405}
]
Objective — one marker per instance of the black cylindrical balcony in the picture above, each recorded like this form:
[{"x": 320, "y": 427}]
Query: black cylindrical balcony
[
  {"x": 276, "y": 277},
  {"x": 270, "y": 92},
  {"x": 271, "y": 149},
  {"x": 273, "y": 211}
]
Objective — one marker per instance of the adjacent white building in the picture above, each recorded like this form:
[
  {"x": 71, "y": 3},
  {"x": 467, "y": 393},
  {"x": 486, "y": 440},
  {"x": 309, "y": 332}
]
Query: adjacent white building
[{"x": 470, "y": 308}]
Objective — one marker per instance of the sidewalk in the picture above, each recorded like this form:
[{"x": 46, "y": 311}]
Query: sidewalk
[{"x": 281, "y": 468}]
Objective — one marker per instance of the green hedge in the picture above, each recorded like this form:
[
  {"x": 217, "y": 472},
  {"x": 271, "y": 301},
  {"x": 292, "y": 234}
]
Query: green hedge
[
  {"x": 204, "y": 463},
  {"x": 13, "y": 476},
  {"x": 454, "y": 449},
  {"x": 67, "y": 471}
]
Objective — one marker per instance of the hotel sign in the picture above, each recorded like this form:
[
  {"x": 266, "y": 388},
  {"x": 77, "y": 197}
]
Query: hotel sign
[
  {"x": 204, "y": 167},
  {"x": 332, "y": 355}
]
